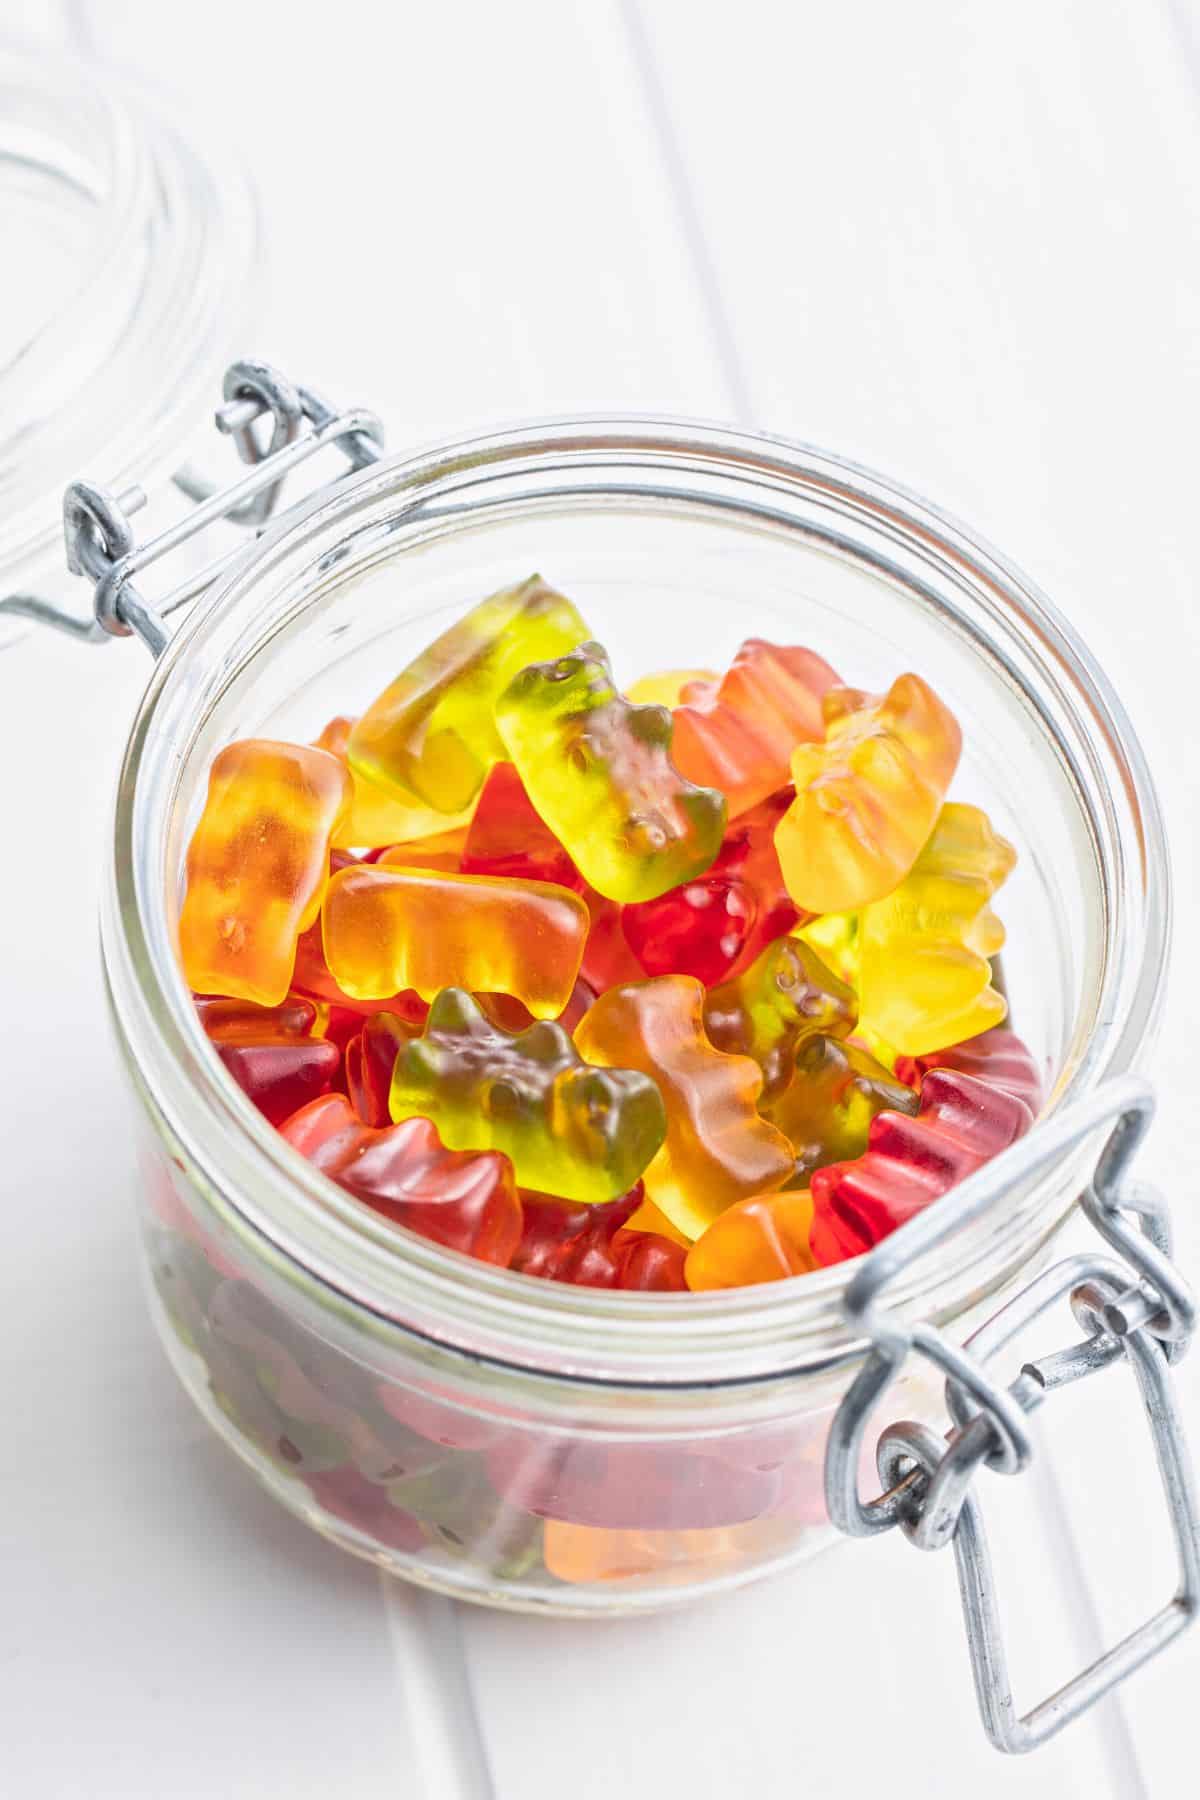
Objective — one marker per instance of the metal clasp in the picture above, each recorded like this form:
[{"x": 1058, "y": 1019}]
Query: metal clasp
[
  {"x": 1138, "y": 1310},
  {"x": 99, "y": 539}
]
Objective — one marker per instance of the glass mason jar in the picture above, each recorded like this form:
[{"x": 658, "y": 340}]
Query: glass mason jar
[{"x": 518, "y": 1442}]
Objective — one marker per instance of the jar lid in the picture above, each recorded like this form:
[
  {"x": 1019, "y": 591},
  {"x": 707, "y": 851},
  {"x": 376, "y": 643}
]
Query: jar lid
[{"x": 130, "y": 255}]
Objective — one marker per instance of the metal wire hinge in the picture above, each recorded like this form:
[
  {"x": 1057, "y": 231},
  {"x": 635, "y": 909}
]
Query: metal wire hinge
[
  {"x": 1137, "y": 1310},
  {"x": 99, "y": 538}
]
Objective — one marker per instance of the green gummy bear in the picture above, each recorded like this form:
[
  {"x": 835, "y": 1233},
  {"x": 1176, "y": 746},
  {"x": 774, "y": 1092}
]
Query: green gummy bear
[
  {"x": 825, "y": 1112},
  {"x": 463, "y": 1515},
  {"x": 786, "y": 996},
  {"x": 570, "y": 1129},
  {"x": 430, "y": 736},
  {"x": 599, "y": 772}
]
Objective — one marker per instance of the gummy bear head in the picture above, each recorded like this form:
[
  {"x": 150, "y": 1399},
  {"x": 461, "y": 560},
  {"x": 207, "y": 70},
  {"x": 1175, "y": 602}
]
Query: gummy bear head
[{"x": 615, "y": 1117}]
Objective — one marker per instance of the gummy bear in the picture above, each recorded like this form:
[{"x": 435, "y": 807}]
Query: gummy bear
[
  {"x": 228, "y": 1021},
  {"x": 922, "y": 971},
  {"x": 366, "y": 1508},
  {"x": 507, "y": 837},
  {"x": 385, "y": 929},
  {"x": 462, "y": 1513},
  {"x": 599, "y": 772},
  {"x": 377, "y": 817},
  {"x": 431, "y": 734},
  {"x": 997, "y": 1056},
  {"x": 370, "y": 1060},
  {"x": 312, "y": 978},
  {"x": 607, "y": 959},
  {"x": 764, "y": 1238},
  {"x": 717, "y": 1149},
  {"x": 826, "y": 1109},
  {"x": 787, "y": 995},
  {"x": 628, "y": 1485},
  {"x": 698, "y": 929},
  {"x": 961, "y": 1122},
  {"x": 715, "y": 926},
  {"x": 648, "y": 1262},
  {"x": 340, "y": 1025},
  {"x": 466, "y": 1201},
  {"x": 281, "y": 1073},
  {"x": 592, "y": 1246},
  {"x": 583, "y": 1133},
  {"x": 651, "y": 1219},
  {"x": 868, "y": 797},
  {"x": 257, "y": 866},
  {"x": 561, "y": 1241},
  {"x": 587, "y": 1553},
  {"x": 442, "y": 850},
  {"x": 738, "y": 733},
  {"x": 752, "y": 850}
]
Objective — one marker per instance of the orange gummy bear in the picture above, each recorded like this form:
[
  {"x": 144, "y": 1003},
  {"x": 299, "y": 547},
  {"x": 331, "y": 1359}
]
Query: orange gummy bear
[
  {"x": 257, "y": 866},
  {"x": 582, "y": 1553},
  {"x": 737, "y": 734},
  {"x": 761, "y": 1239},
  {"x": 868, "y": 797},
  {"x": 386, "y": 928},
  {"x": 717, "y": 1149}
]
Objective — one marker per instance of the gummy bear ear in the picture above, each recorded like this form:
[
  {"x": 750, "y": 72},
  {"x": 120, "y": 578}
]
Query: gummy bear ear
[
  {"x": 545, "y": 1041},
  {"x": 454, "y": 1010}
]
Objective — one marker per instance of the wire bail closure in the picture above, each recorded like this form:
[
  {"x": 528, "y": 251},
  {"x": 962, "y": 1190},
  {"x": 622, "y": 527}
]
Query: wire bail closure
[
  {"x": 1138, "y": 1310},
  {"x": 99, "y": 539}
]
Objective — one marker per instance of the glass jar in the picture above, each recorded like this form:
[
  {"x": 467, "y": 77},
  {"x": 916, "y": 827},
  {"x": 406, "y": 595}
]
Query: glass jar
[
  {"x": 518, "y": 1442},
  {"x": 138, "y": 256}
]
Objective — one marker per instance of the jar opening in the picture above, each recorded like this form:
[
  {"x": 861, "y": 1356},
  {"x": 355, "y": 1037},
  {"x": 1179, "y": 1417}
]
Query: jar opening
[{"x": 671, "y": 538}]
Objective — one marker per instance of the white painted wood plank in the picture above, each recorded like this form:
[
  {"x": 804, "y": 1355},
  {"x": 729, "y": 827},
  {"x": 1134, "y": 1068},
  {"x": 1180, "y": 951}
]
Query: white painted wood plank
[{"x": 463, "y": 214}]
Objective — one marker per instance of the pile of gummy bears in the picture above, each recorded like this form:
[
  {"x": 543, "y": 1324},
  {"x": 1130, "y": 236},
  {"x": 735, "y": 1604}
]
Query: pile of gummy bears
[{"x": 688, "y": 988}]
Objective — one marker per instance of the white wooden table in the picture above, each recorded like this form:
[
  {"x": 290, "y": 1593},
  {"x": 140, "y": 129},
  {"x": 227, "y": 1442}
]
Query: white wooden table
[{"x": 960, "y": 243}]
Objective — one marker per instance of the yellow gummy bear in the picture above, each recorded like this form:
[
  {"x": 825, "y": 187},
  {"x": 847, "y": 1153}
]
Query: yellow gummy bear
[
  {"x": 919, "y": 957},
  {"x": 430, "y": 736},
  {"x": 868, "y": 797},
  {"x": 376, "y": 816}
]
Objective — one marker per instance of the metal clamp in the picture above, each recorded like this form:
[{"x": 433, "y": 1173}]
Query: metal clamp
[
  {"x": 1138, "y": 1310},
  {"x": 99, "y": 539}
]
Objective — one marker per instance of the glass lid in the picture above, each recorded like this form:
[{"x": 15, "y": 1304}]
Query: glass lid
[{"x": 131, "y": 255}]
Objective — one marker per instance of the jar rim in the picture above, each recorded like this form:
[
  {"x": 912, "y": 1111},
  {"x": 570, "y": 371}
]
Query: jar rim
[{"x": 315, "y": 1231}]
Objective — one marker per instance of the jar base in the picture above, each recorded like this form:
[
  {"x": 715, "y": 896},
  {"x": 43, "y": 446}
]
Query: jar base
[{"x": 467, "y": 1583}]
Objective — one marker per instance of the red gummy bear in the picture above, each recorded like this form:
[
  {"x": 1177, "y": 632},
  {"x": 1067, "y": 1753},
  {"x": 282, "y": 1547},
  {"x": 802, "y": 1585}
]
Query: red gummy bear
[
  {"x": 997, "y": 1056},
  {"x": 589, "y": 1247},
  {"x": 465, "y": 1199},
  {"x": 909, "y": 1162},
  {"x": 350, "y": 1496},
  {"x": 715, "y": 926},
  {"x": 370, "y": 1060},
  {"x": 281, "y": 1074},
  {"x": 507, "y": 837},
  {"x": 634, "y": 1487},
  {"x": 698, "y": 929}
]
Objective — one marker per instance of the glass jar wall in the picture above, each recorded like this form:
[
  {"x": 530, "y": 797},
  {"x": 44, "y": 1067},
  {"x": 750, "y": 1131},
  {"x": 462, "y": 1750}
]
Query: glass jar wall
[{"x": 515, "y": 1441}]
